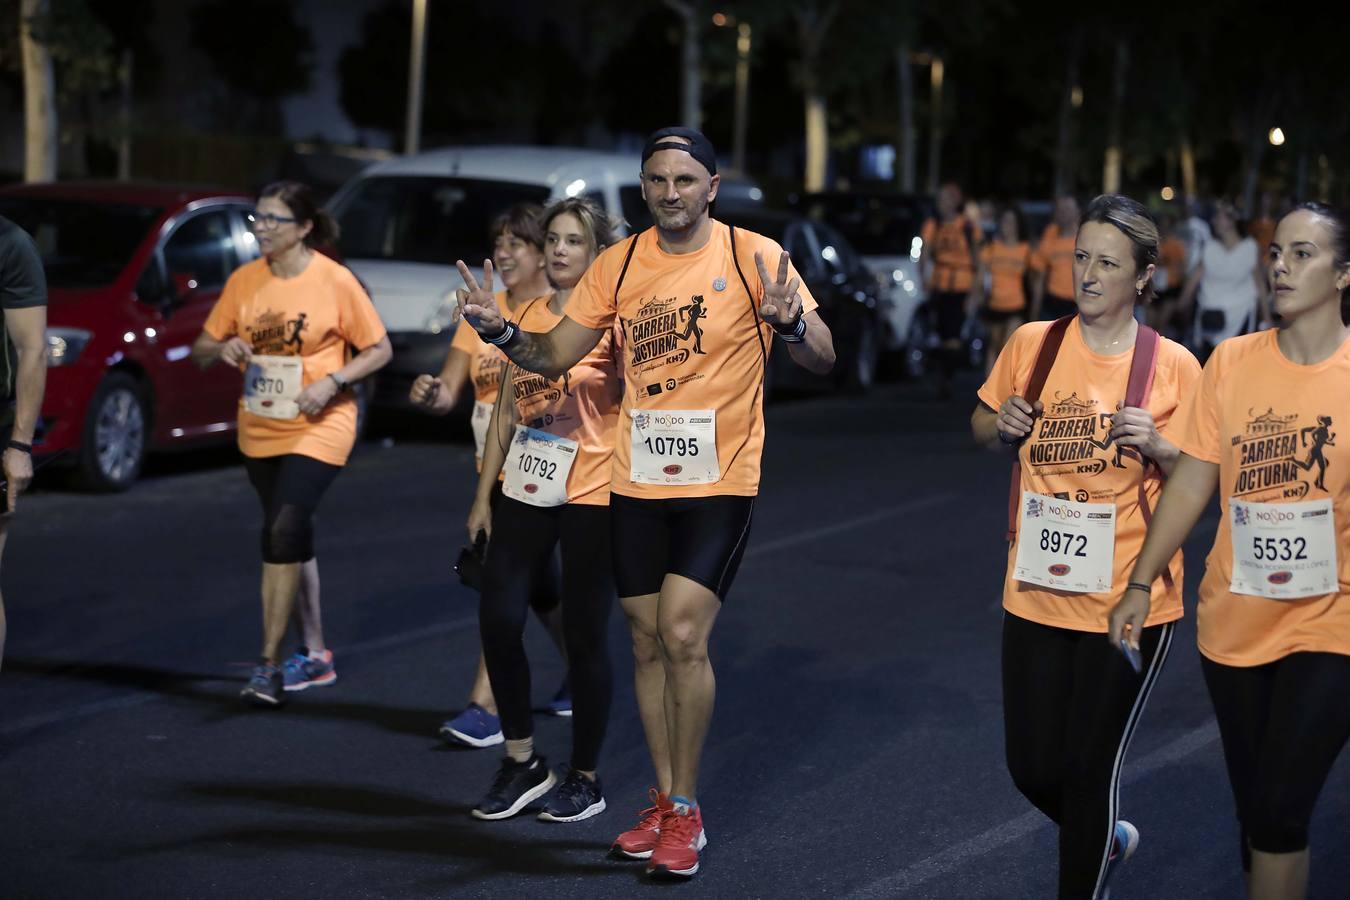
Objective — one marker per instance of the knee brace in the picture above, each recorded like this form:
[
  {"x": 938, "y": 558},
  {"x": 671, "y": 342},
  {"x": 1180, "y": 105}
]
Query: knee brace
[{"x": 288, "y": 537}]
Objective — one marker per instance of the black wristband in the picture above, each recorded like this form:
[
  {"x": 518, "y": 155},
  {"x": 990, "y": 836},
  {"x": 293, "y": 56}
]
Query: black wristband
[
  {"x": 1140, "y": 586},
  {"x": 796, "y": 334},
  {"x": 501, "y": 340},
  {"x": 20, "y": 446}
]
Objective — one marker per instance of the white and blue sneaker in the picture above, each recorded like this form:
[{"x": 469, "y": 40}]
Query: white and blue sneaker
[
  {"x": 475, "y": 727},
  {"x": 1123, "y": 845}
]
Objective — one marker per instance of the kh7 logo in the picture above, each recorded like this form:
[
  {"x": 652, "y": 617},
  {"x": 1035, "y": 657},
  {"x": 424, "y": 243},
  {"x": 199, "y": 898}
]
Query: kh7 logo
[
  {"x": 1059, "y": 570},
  {"x": 1280, "y": 577},
  {"x": 673, "y": 469}
]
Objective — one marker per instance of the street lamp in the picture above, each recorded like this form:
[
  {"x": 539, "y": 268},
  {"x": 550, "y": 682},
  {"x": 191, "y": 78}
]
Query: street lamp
[
  {"x": 1276, "y": 136},
  {"x": 412, "y": 135}
]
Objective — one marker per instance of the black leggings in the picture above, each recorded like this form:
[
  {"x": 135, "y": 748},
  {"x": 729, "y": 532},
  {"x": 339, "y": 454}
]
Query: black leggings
[
  {"x": 544, "y": 597},
  {"x": 1070, "y": 705},
  {"x": 523, "y": 537},
  {"x": 1283, "y": 724},
  {"x": 290, "y": 488}
]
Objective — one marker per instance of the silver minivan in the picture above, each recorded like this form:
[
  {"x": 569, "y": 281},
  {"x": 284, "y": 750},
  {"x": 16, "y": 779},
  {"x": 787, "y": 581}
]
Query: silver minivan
[{"x": 406, "y": 220}]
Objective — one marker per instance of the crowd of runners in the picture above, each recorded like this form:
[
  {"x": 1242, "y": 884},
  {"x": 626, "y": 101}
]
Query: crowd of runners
[{"x": 618, "y": 423}]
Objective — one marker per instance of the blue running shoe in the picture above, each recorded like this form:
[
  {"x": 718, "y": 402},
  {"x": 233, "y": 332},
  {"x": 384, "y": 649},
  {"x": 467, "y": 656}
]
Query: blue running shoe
[
  {"x": 265, "y": 687},
  {"x": 561, "y": 704},
  {"x": 475, "y": 727},
  {"x": 1124, "y": 844},
  {"x": 307, "y": 670}
]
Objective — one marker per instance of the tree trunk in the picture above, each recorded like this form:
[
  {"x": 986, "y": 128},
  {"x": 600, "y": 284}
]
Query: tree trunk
[
  {"x": 124, "y": 117},
  {"x": 907, "y": 136},
  {"x": 1189, "y": 188},
  {"x": 936, "y": 71},
  {"x": 691, "y": 51},
  {"x": 817, "y": 134},
  {"x": 39, "y": 98},
  {"x": 812, "y": 26},
  {"x": 1064, "y": 180},
  {"x": 1114, "y": 154}
]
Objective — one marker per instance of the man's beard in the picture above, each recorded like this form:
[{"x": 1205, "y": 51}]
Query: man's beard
[{"x": 678, "y": 219}]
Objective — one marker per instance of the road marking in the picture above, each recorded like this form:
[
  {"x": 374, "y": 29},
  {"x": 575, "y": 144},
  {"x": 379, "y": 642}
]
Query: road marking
[
  {"x": 805, "y": 537},
  {"x": 413, "y": 636},
  {"x": 967, "y": 851}
]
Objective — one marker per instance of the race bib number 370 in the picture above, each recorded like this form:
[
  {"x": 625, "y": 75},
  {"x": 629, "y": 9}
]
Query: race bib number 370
[
  {"x": 674, "y": 446},
  {"x": 1284, "y": 551},
  {"x": 271, "y": 384},
  {"x": 1065, "y": 545}
]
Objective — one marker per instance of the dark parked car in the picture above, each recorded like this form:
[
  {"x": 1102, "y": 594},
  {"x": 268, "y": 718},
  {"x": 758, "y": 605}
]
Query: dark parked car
[{"x": 845, "y": 288}]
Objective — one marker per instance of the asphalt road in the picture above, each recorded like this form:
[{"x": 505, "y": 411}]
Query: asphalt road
[{"x": 856, "y": 749}]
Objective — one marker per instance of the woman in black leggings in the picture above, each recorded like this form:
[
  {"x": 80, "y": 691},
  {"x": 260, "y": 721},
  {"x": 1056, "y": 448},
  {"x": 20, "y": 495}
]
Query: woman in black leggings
[
  {"x": 1273, "y": 622},
  {"x": 287, "y": 320},
  {"x": 554, "y": 442}
]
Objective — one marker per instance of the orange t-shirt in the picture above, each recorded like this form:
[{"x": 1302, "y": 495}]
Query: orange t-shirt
[
  {"x": 949, "y": 245},
  {"x": 1172, "y": 257},
  {"x": 1007, "y": 263},
  {"x": 691, "y": 340},
  {"x": 1256, "y": 415},
  {"x": 316, "y": 315},
  {"x": 582, "y": 406},
  {"x": 1068, "y": 456},
  {"x": 486, "y": 362},
  {"x": 1055, "y": 253}
]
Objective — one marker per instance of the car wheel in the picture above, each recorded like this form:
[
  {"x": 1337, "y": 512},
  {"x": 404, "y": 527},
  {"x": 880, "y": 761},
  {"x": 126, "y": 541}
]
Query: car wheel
[
  {"x": 917, "y": 345},
  {"x": 112, "y": 447},
  {"x": 860, "y": 370}
]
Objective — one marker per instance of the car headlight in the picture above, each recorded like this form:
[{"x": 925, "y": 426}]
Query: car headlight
[
  {"x": 446, "y": 315},
  {"x": 64, "y": 345}
]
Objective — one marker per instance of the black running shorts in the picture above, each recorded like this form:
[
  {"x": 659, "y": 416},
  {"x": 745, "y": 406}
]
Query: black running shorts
[{"x": 700, "y": 538}]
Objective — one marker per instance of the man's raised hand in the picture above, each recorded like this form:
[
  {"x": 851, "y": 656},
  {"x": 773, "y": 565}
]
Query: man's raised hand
[{"x": 781, "y": 305}]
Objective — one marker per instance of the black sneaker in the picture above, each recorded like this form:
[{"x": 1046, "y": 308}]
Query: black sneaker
[
  {"x": 516, "y": 785},
  {"x": 266, "y": 687},
  {"x": 575, "y": 799}
]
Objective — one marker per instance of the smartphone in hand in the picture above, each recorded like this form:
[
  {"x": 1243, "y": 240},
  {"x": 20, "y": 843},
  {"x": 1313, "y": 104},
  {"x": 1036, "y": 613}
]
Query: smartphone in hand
[{"x": 1135, "y": 659}]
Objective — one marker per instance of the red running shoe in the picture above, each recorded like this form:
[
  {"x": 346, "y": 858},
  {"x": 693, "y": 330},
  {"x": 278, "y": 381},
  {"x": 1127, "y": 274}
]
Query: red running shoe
[
  {"x": 678, "y": 844},
  {"x": 639, "y": 842}
]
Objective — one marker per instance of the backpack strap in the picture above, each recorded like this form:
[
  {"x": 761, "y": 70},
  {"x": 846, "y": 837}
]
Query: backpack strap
[
  {"x": 623, "y": 273},
  {"x": 1040, "y": 371},
  {"x": 754, "y": 310},
  {"x": 1143, "y": 367}
]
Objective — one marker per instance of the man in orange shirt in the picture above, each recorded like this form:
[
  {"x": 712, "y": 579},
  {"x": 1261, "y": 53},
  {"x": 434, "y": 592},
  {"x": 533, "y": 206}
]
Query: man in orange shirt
[
  {"x": 949, "y": 259},
  {"x": 1052, "y": 292},
  {"x": 689, "y": 440}
]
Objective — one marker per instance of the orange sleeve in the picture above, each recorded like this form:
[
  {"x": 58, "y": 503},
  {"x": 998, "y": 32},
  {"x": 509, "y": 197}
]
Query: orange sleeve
[
  {"x": 223, "y": 322},
  {"x": 1186, "y": 373},
  {"x": 1002, "y": 380},
  {"x": 1039, "y": 260},
  {"x": 591, "y": 303},
  {"x": 1195, "y": 427},
  {"x": 987, "y": 254},
  {"x": 465, "y": 338},
  {"x": 927, "y": 233},
  {"x": 360, "y": 323}
]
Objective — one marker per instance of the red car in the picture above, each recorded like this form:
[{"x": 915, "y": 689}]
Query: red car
[{"x": 132, "y": 272}]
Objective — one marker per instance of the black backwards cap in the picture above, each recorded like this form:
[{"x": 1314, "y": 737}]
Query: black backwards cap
[{"x": 699, "y": 147}]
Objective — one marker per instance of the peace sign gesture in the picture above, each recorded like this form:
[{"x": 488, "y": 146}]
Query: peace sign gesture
[
  {"x": 480, "y": 306},
  {"x": 781, "y": 306}
]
